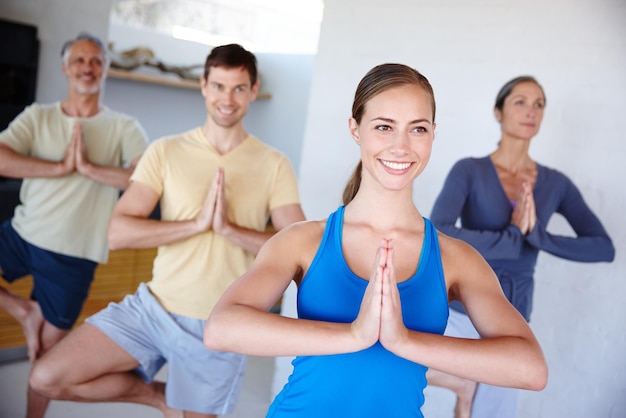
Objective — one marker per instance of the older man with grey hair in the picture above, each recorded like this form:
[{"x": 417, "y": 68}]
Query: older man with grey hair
[{"x": 74, "y": 157}]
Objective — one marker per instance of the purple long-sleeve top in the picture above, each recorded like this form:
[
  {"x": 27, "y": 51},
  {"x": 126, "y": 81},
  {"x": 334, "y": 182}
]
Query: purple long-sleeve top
[{"x": 473, "y": 193}]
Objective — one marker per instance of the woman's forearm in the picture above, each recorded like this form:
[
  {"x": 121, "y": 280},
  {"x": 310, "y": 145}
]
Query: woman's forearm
[
  {"x": 502, "y": 361},
  {"x": 246, "y": 330}
]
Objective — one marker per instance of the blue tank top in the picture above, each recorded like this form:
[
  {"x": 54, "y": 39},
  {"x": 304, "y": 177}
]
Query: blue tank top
[{"x": 373, "y": 382}]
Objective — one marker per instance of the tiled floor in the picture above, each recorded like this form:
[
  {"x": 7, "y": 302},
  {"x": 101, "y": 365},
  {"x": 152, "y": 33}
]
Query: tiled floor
[{"x": 253, "y": 402}]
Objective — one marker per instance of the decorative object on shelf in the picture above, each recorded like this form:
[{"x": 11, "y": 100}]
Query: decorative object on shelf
[{"x": 134, "y": 58}]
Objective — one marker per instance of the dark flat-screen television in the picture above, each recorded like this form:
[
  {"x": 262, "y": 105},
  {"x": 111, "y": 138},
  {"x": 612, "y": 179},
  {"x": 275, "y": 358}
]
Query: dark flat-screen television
[{"x": 19, "y": 59}]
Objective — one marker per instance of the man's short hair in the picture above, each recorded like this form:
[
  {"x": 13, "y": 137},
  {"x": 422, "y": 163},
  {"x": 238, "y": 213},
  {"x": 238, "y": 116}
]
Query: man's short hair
[
  {"x": 84, "y": 36},
  {"x": 231, "y": 56}
]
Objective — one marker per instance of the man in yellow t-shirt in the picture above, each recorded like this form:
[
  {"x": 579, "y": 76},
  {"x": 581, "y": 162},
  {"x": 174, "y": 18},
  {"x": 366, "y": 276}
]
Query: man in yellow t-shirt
[
  {"x": 74, "y": 156},
  {"x": 218, "y": 187}
]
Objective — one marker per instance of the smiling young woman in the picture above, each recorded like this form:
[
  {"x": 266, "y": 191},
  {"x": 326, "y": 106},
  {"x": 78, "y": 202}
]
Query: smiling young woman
[{"x": 374, "y": 280}]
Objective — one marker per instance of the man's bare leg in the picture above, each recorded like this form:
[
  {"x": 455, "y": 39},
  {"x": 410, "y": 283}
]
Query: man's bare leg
[
  {"x": 463, "y": 388},
  {"x": 28, "y": 314},
  {"x": 37, "y": 404},
  {"x": 87, "y": 366}
]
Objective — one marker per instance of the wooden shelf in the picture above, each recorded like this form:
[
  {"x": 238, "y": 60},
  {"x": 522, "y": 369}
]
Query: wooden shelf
[{"x": 163, "y": 80}]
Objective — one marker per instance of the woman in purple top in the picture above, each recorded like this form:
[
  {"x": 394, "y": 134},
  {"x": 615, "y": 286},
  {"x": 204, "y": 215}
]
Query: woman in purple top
[{"x": 504, "y": 202}]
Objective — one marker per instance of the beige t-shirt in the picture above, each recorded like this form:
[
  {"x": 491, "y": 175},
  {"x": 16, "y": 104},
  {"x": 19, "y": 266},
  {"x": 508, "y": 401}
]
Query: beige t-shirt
[
  {"x": 189, "y": 276},
  {"x": 70, "y": 214}
]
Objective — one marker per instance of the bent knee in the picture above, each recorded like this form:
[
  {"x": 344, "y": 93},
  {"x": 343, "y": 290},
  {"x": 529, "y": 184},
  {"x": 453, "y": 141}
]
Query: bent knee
[{"x": 46, "y": 380}]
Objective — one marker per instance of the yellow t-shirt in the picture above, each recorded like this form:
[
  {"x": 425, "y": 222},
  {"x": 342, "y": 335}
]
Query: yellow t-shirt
[
  {"x": 189, "y": 276},
  {"x": 70, "y": 214}
]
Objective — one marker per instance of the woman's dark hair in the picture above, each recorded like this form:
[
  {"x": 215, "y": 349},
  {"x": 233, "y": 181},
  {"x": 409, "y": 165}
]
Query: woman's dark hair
[
  {"x": 379, "y": 79},
  {"x": 231, "y": 56},
  {"x": 506, "y": 90}
]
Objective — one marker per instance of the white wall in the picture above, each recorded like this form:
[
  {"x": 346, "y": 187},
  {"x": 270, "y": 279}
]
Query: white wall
[
  {"x": 468, "y": 50},
  {"x": 56, "y": 21}
]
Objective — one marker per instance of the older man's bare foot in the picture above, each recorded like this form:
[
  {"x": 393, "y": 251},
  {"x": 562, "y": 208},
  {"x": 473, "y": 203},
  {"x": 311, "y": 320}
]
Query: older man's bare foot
[
  {"x": 28, "y": 314},
  {"x": 31, "y": 322},
  {"x": 465, "y": 399}
]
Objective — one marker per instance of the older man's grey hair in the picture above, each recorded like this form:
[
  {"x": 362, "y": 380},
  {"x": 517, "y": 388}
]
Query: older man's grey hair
[{"x": 85, "y": 36}]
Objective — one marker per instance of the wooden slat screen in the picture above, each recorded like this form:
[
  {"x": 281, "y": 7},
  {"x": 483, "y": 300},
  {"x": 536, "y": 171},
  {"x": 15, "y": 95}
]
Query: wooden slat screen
[{"x": 114, "y": 280}]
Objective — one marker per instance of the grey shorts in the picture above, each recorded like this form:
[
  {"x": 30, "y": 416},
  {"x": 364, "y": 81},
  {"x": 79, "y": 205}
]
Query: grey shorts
[{"x": 198, "y": 379}]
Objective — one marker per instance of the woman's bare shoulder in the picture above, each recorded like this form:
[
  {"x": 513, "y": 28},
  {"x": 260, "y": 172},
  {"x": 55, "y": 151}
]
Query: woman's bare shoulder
[
  {"x": 300, "y": 235},
  {"x": 295, "y": 245},
  {"x": 451, "y": 245},
  {"x": 457, "y": 256},
  {"x": 304, "y": 229}
]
